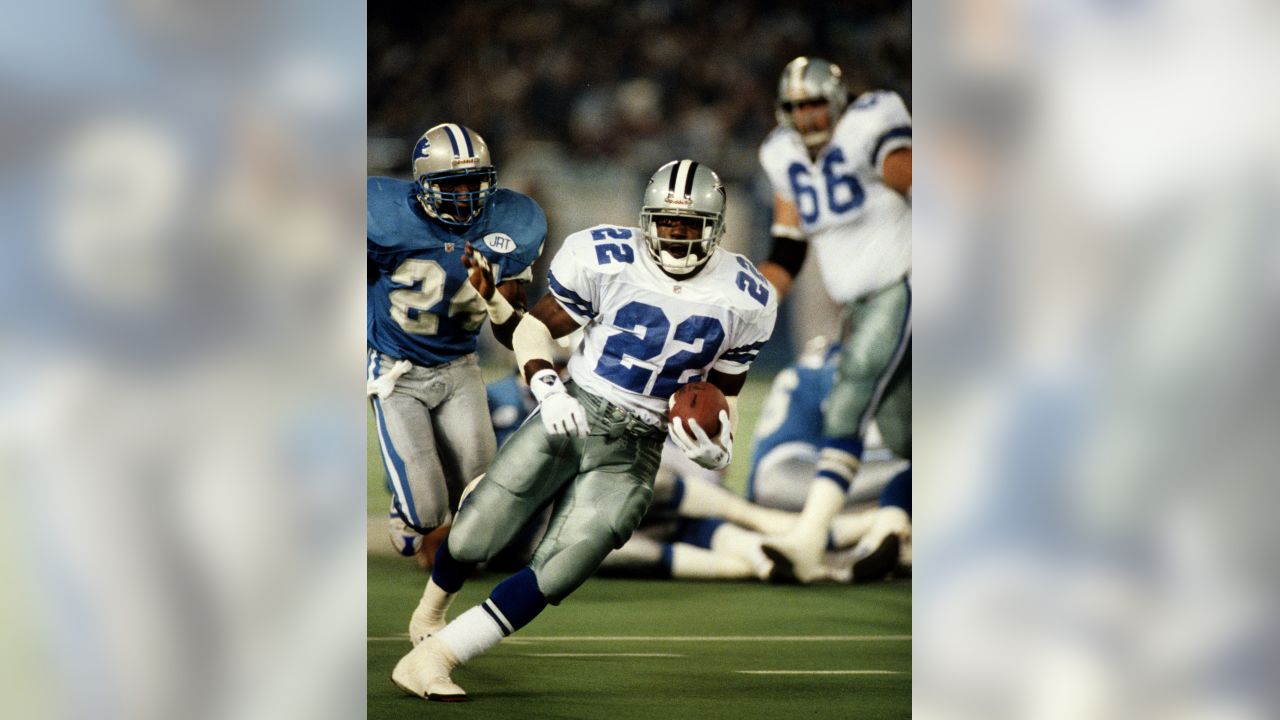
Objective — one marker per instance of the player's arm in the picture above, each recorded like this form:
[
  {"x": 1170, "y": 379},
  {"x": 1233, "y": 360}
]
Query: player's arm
[
  {"x": 730, "y": 385},
  {"x": 789, "y": 249},
  {"x": 534, "y": 344},
  {"x": 505, "y": 302},
  {"x": 896, "y": 170}
]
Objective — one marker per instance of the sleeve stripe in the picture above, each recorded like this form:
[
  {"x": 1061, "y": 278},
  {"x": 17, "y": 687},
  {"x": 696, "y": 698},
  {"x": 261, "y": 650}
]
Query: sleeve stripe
[
  {"x": 739, "y": 357},
  {"x": 895, "y": 133},
  {"x": 746, "y": 348},
  {"x": 570, "y": 299}
]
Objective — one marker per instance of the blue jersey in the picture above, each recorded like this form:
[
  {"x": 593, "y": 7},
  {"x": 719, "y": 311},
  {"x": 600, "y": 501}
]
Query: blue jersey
[
  {"x": 420, "y": 306},
  {"x": 793, "y": 410},
  {"x": 510, "y": 403}
]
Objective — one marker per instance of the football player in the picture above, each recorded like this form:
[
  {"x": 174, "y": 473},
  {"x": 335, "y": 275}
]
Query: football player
[
  {"x": 661, "y": 305},
  {"x": 785, "y": 452},
  {"x": 423, "y": 318},
  {"x": 841, "y": 176}
]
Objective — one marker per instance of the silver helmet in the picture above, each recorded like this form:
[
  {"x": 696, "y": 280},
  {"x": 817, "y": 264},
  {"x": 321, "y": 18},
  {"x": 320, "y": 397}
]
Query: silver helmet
[
  {"x": 449, "y": 153},
  {"x": 685, "y": 189},
  {"x": 811, "y": 79}
]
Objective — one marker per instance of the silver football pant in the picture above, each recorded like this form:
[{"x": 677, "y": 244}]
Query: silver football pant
[{"x": 435, "y": 436}]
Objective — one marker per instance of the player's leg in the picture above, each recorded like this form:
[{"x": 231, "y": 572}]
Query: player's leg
[
  {"x": 409, "y": 454},
  {"x": 696, "y": 498},
  {"x": 530, "y": 469},
  {"x": 877, "y": 333},
  {"x": 884, "y": 533},
  {"x": 596, "y": 513},
  {"x": 463, "y": 428}
]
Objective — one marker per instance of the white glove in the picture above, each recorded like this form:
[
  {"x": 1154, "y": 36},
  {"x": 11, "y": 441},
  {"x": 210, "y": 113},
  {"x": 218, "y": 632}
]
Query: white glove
[
  {"x": 698, "y": 447},
  {"x": 561, "y": 413},
  {"x": 384, "y": 384}
]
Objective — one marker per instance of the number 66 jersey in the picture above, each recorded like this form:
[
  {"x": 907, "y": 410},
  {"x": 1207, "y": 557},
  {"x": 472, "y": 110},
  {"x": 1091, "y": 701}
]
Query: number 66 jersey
[
  {"x": 860, "y": 228},
  {"x": 646, "y": 334}
]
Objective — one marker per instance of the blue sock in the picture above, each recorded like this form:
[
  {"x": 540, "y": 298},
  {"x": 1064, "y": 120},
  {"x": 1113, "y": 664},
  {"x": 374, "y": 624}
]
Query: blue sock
[
  {"x": 518, "y": 599},
  {"x": 664, "y": 569},
  {"x": 898, "y": 492},
  {"x": 449, "y": 572}
]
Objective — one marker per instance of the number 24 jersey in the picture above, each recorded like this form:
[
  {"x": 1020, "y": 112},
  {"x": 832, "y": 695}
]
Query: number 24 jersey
[{"x": 647, "y": 334}]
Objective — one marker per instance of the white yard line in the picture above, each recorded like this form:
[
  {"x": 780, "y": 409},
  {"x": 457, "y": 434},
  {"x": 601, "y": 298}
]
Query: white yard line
[
  {"x": 578, "y": 655},
  {"x": 686, "y": 638},
  {"x": 818, "y": 672}
]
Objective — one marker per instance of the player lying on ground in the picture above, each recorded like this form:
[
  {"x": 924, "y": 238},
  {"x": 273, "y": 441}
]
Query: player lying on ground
[{"x": 661, "y": 306}]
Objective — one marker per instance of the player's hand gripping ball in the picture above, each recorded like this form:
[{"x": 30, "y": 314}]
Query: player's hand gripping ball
[
  {"x": 699, "y": 401},
  {"x": 699, "y": 416}
]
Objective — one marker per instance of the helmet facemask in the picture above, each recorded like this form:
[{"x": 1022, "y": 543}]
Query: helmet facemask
[
  {"x": 681, "y": 256},
  {"x": 441, "y": 201}
]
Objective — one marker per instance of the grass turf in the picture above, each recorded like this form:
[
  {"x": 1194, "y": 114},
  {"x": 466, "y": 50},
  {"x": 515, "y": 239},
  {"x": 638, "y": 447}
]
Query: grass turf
[
  {"x": 677, "y": 678},
  {"x": 682, "y": 674}
]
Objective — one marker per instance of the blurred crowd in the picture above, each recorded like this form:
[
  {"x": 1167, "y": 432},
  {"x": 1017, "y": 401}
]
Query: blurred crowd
[{"x": 633, "y": 83}]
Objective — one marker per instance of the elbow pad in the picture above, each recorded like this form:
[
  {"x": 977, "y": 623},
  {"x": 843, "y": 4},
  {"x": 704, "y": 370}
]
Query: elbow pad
[{"x": 532, "y": 341}]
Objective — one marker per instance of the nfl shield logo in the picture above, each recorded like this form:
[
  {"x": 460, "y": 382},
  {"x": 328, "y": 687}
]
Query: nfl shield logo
[{"x": 448, "y": 247}]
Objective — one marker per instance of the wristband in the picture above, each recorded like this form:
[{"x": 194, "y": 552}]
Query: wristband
[{"x": 545, "y": 382}]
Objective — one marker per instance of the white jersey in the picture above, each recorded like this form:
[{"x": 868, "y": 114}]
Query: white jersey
[
  {"x": 860, "y": 227},
  {"x": 647, "y": 334}
]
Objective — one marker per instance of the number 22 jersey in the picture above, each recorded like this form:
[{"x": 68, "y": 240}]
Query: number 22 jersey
[{"x": 647, "y": 334}]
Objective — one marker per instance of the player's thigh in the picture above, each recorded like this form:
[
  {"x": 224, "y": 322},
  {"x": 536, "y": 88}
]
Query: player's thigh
[
  {"x": 530, "y": 469},
  {"x": 408, "y": 450},
  {"x": 894, "y": 414},
  {"x": 875, "y": 344},
  {"x": 597, "y": 514},
  {"x": 463, "y": 429},
  {"x": 877, "y": 328}
]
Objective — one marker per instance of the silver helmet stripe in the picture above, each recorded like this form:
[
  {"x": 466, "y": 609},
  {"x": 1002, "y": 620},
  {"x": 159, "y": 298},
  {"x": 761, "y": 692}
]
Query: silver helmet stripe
[{"x": 797, "y": 77}]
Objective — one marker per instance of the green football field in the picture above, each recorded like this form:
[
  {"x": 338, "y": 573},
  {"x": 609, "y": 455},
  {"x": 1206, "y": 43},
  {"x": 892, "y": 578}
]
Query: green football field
[{"x": 619, "y": 649}]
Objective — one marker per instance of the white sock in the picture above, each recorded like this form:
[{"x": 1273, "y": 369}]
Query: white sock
[
  {"x": 745, "y": 544},
  {"x": 471, "y": 634},
  {"x": 823, "y": 502},
  {"x": 694, "y": 563},
  {"x": 705, "y": 500},
  {"x": 435, "y": 602}
]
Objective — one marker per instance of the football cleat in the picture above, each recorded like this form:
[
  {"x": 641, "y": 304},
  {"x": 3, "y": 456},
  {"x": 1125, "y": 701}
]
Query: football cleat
[
  {"x": 404, "y": 539},
  {"x": 798, "y": 563},
  {"x": 424, "y": 672}
]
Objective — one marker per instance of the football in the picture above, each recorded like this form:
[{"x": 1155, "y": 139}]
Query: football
[{"x": 699, "y": 401}]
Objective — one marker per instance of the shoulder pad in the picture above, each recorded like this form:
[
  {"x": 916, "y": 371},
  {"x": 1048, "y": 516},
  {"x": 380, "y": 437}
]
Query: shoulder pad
[{"x": 514, "y": 233}]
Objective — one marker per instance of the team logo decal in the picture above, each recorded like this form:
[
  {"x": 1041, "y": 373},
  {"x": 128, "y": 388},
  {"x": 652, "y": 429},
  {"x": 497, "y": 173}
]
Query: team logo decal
[{"x": 500, "y": 242}]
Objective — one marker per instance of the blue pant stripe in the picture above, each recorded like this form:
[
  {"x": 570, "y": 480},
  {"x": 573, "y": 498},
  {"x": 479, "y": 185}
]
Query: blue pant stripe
[
  {"x": 394, "y": 465},
  {"x": 904, "y": 340}
]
